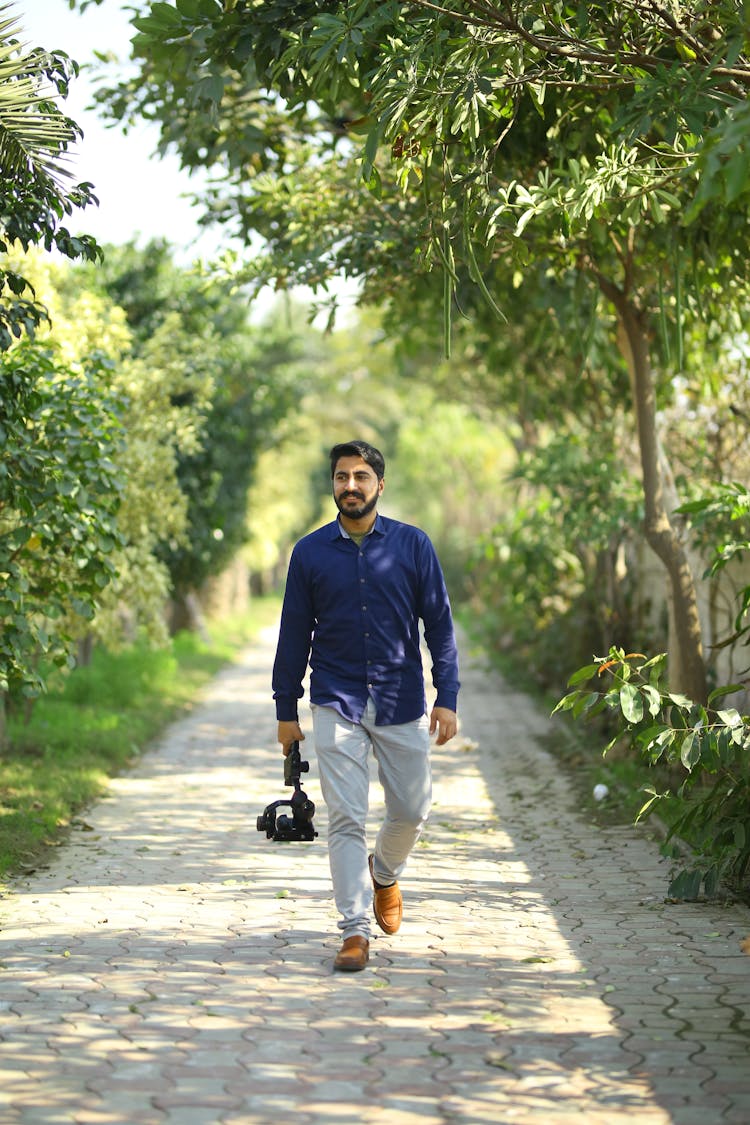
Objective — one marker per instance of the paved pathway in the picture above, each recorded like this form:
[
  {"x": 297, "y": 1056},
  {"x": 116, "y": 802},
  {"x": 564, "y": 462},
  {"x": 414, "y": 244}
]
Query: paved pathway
[{"x": 171, "y": 965}]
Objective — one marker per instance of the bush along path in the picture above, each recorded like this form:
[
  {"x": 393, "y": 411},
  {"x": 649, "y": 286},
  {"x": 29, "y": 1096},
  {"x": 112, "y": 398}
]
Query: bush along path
[{"x": 172, "y": 965}]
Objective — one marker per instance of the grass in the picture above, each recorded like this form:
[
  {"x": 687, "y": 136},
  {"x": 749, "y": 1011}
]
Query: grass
[{"x": 95, "y": 724}]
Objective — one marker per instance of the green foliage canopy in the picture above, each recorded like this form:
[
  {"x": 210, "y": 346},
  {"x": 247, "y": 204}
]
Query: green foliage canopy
[
  {"x": 59, "y": 496},
  {"x": 35, "y": 195},
  {"x": 581, "y": 120},
  {"x": 242, "y": 379}
]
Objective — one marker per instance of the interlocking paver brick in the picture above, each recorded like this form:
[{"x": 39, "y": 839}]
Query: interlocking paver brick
[{"x": 173, "y": 966}]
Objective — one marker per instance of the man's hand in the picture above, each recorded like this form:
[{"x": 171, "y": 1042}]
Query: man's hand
[
  {"x": 445, "y": 722},
  {"x": 289, "y": 732}
]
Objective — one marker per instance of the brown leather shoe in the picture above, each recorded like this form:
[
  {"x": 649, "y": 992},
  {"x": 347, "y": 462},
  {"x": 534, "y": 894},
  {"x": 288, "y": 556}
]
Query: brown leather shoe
[
  {"x": 353, "y": 955},
  {"x": 387, "y": 904}
]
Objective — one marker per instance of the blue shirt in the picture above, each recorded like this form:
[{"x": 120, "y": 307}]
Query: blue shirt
[{"x": 354, "y": 612}]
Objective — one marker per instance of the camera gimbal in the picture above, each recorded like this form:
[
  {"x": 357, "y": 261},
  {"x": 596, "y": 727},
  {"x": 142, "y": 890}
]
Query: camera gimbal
[{"x": 299, "y": 825}]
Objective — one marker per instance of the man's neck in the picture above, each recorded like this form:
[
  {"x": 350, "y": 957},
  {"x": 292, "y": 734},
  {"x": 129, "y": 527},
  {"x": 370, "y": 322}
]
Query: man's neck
[{"x": 359, "y": 527}]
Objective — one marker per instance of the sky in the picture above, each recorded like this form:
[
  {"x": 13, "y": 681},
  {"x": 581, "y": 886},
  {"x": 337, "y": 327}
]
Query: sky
[{"x": 140, "y": 196}]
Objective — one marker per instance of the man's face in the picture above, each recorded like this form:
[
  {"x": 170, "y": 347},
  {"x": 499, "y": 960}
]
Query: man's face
[{"x": 356, "y": 488}]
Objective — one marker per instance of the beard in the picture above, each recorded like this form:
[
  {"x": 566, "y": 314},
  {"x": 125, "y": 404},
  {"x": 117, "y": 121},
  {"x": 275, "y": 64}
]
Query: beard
[{"x": 362, "y": 509}]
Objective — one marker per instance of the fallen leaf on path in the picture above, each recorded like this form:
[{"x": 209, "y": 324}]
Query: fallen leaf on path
[{"x": 494, "y": 1058}]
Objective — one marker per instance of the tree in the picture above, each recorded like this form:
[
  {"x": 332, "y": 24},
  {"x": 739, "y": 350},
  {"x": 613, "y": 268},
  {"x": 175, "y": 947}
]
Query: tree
[
  {"x": 34, "y": 199},
  {"x": 162, "y": 399},
  {"x": 254, "y": 375},
  {"x": 604, "y": 139},
  {"x": 59, "y": 497},
  {"x": 58, "y": 490},
  {"x": 525, "y": 129}
]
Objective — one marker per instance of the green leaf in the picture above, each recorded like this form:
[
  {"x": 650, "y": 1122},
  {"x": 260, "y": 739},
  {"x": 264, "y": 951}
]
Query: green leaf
[
  {"x": 655, "y": 661},
  {"x": 651, "y": 734},
  {"x": 631, "y": 703},
  {"x": 524, "y": 221},
  {"x": 372, "y": 144},
  {"x": 475, "y": 272},
  {"x": 583, "y": 674},
  {"x": 189, "y": 8},
  {"x": 687, "y": 885},
  {"x": 730, "y": 717},
  {"x": 654, "y": 699},
  {"x": 373, "y": 183},
  {"x": 728, "y": 689},
  {"x": 591, "y": 702},
  {"x": 648, "y": 805},
  {"x": 690, "y": 751},
  {"x": 210, "y": 89},
  {"x": 165, "y": 15},
  {"x": 736, "y": 175},
  {"x": 567, "y": 702}
]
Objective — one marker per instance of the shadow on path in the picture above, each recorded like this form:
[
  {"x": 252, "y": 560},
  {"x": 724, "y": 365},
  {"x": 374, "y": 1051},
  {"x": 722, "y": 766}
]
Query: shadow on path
[{"x": 174, "y": 965}]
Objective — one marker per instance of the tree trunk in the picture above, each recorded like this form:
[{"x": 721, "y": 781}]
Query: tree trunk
[
  {"x": 687, "y": 669},
  {"x": 186, "y": 613},
  {"x": 85, "y": 650}
]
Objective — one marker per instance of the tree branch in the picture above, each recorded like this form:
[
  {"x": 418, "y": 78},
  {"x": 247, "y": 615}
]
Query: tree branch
[{"x": 569, "y": 48}]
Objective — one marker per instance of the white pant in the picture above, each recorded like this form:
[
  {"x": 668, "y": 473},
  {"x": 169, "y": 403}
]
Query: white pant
[{"x": 403, "y": 756}]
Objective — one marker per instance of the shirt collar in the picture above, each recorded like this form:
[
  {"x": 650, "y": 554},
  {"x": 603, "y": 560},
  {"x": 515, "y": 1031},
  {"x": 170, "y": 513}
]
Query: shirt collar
[{"x": 377, "y": 528}]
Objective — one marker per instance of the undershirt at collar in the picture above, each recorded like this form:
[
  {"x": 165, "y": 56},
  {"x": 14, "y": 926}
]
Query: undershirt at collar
[{"x": 356, "y": 536}]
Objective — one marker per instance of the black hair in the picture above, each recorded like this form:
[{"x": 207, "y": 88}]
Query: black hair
[{"x": 369, "y": 454}]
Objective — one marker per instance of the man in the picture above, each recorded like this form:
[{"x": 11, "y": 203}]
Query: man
[{"x": 356, "y": 592}]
